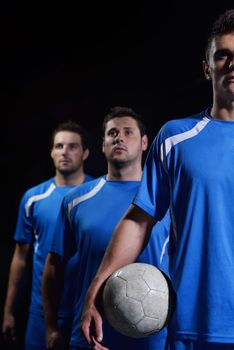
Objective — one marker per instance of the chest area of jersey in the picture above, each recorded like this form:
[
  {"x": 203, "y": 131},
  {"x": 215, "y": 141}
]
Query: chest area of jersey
[
  {"x": 206, "y": 157},
  {"x": 96, "y": 218},
  {"x": 44, "y": 212}
]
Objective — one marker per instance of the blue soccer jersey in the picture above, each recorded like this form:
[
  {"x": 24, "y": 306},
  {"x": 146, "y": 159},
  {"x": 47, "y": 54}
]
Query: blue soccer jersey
[
  {"x": 88, "y": 217},
  {"x": 38, "y": 211},
  {"x": 190, "y": 169}
]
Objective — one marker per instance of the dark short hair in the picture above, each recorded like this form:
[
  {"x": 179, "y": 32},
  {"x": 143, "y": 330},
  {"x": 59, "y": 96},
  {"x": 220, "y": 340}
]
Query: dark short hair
[
  {"x": 224, "y": 24},
  {"x": 72, "y": 126},
  {"x": 118, "y": 112}
]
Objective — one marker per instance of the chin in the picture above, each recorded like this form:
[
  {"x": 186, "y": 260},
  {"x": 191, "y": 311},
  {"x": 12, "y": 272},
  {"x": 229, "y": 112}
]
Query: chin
[{"x": 66, "y": 171}]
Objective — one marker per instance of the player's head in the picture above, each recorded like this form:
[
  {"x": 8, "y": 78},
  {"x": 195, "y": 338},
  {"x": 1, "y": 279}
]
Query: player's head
[
  {"x": 124, "y": 137},
  {"x": 118, "y": 112},
  {"x": 69, "y": 147},
  {"x": 223, "y": 25},
  {"x": 74, "y": 127},
  {"x": 219, "y": 63}
]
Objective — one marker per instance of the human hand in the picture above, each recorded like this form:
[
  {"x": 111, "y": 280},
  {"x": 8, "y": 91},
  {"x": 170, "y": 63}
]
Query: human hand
[
  {"x": 54, "y": 340},
  {"x": 9, "y": 329},
  {"x": 91, "y": 326},
  {"x": 98, "y": 346}
]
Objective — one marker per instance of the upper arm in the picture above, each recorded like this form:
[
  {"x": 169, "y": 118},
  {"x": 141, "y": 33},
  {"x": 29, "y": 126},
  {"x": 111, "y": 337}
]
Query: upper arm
[
  {"x": 53, "y": 259},
  {"x": 53, "y": 265},
  {"x": 140, "y": 216},
  {"x": 21, "y": 252},
  {"x": 19, "y": 264},
  {"x": 52, "y": 277},
  {"x": 140, "y": 220},
  {"x": 133, "y": 231}
]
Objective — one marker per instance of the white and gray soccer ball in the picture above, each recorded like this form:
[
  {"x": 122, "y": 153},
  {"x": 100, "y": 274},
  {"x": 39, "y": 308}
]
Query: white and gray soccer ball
[{"x": 136, "y": 300}]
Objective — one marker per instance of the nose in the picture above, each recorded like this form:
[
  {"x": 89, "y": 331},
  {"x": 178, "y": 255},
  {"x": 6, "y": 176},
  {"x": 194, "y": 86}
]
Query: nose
[
  {"x": 64, "y": 149},
  {"x": 231, "y": 63},
  {"x": 119, "y": 137}
]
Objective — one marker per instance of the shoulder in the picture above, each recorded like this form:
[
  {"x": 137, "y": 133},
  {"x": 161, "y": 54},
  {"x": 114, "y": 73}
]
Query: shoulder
[
  {"x": 88, "y": 178},
  {"x": 181, "y": 125},
  {"x": 84, "y": 191},
  {"x": 43, "y": 187}
]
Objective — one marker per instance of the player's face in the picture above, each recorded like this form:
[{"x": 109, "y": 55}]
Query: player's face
[
  {"x": 122, "y": 142},
  {"x": 67, "y": 152},
  {"x": 220, "y": 68}
]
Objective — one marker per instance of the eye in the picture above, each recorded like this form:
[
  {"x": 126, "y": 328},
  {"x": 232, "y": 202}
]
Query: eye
[
  {"x": 128, "y": 132},
  {"x": 112, "y": 133},
  {"x": 58, "y": 146},
  {"x": 73, "y": 146},
  {"x": 222, "y": 55}
]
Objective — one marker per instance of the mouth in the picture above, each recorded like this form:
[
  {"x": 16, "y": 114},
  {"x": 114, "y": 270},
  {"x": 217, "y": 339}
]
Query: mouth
[
  {"x": 230, "y": 79},
  {"x": 119, "y": 149},
  {"x": 64, "y": 161}
]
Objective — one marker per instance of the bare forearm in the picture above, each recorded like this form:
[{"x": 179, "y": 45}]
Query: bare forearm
[
  {"x": 14, "y": 283},
  {"x": 16, "y": 278},
  {"x": 51, "y": 290}
]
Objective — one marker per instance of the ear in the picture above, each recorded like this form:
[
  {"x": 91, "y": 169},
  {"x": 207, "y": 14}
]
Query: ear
[
  {"x": 103, "y": 145},
  {"x": 51, "y": 153},
  {"x": 144, "y": 142},
  {"x": 206, "y": 69},
  {"x": 86, "y": 154}
]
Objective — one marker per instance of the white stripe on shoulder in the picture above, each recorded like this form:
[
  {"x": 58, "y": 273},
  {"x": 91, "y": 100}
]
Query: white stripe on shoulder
[
  {"x": 38, "y": 197},
  {"x": 167, "y": 145},
  {"x": 88, "y": 195},
  {"x": 164, "y": 248}
]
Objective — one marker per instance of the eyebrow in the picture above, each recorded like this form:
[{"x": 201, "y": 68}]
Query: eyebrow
[
  {"x": 67, "y": 143},
  {"x": 222, "y": 51}
]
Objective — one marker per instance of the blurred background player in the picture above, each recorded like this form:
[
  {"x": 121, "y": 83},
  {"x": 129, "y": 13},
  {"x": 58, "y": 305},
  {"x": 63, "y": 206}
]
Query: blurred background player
[
  {"x": 88, "y": 216},
  {"x": 38, "y": 212}
]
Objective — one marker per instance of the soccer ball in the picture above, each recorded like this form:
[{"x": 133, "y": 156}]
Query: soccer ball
[{"x": 136, "y": 300}]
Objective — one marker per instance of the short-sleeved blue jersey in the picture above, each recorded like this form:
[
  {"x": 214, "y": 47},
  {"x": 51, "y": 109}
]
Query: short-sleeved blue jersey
[
  {"x": 37, "y": 216},
  {"x": 88, "y": 217},
  {"x": 190, "y": 169}
]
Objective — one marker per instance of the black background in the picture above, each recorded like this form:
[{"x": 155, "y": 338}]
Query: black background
[{"x": 76, "y": 60}]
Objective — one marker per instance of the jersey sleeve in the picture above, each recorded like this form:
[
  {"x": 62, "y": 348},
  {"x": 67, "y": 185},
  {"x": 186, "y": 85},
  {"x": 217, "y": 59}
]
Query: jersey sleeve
[
  {"x": 24, "y": 232},
  {"x": 153, "y": 195}
]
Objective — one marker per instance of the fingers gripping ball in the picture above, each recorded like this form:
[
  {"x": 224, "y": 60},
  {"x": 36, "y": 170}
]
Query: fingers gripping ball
[{"x": 136, "y": 300}]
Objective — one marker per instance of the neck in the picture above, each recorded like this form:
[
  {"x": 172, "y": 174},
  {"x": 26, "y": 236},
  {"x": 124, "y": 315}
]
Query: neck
[
  {"x": 223, "y": 111},
  {"x": 74, "y": 179},
  {"x": 129, "y": 173}
]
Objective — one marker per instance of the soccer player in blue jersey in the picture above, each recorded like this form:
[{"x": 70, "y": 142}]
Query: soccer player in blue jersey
[
  {"x": 38, "y": 212},
  {"x": 85, "y": 224},
  {"x": 190, "y": 170}
]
